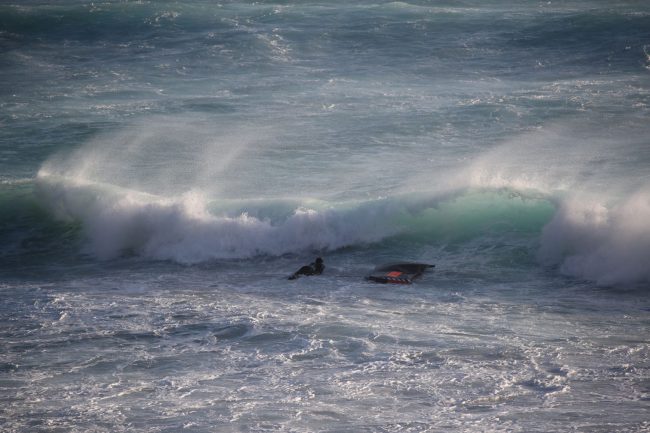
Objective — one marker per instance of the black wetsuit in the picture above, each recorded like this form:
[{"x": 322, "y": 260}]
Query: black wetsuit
[{"x": 315, "y": 268}]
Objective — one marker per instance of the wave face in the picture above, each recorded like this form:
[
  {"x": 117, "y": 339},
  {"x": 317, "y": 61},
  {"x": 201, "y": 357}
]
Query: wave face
[
  {"x": 579, "y": 209},
  {"x": 581, "y": 233},
  {"x": 192, "y": 228}
]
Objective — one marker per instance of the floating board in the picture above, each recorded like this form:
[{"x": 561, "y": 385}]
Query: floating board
[{"x": 398, "y": 273}]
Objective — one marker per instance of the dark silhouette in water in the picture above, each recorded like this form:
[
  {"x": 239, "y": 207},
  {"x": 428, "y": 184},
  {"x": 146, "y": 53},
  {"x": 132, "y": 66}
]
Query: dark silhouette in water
[
  {"x": 398, "y": 273},
  {"x": 315, "y": 268}
]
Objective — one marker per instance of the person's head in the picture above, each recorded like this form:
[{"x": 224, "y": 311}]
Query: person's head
[{"x": 319, "y": 260}]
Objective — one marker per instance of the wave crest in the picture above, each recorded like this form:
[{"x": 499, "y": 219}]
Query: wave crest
[
  {"x": 585, "y": 238},
  {"x": 183, "y": 229}
]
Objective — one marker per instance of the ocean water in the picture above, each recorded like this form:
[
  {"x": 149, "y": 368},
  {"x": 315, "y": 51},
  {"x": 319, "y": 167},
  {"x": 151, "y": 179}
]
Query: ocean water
[{"x": 166, "y": 165}]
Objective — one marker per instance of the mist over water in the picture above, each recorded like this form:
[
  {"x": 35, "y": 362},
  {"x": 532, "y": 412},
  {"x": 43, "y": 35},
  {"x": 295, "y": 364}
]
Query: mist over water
[
  {"x": 129, "y": 198},
  {"x": 164, "y": 166}
]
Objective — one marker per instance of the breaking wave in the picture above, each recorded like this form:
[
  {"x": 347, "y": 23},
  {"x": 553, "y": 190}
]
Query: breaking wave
[
  {"x": 608, "y": 244},
  {"x": 123, "y": 197},
  {"x": 183, "y": 228}
]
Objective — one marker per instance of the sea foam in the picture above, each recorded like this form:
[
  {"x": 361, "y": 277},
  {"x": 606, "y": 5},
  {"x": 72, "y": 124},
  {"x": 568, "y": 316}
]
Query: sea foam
[
  {"x": 609, "y": 244},
  {"x": 182, "y": 228},
  {"x": 601, "y": 237}
]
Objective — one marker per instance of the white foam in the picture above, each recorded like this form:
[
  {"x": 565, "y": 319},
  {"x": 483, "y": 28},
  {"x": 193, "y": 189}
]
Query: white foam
[
  {"x": 601, "y": 228},
  {"x": 609, "y": 244},
  {"x": 128, "y": 197},
  {"x": 182, "y": 229}
]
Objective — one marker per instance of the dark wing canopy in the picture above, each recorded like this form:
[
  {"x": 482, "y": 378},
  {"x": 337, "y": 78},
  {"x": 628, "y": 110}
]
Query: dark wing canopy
[{"x": 407, "y": 268}]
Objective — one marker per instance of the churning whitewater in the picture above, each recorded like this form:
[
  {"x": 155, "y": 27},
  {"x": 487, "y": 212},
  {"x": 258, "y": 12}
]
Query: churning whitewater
[
  {"x": 590, "y": 232},
  {"x": 165, "y": 166}
]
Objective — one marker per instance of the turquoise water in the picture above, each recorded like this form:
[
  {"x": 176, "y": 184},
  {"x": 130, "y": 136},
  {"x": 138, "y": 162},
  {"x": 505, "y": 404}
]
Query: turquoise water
[{"x": 165, "y": 165}]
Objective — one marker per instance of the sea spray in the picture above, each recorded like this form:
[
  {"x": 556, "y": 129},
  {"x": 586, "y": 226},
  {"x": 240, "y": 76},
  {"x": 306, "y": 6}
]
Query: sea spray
[
  {"x": 181, "y": 228},
  {"x": 602, "y": 242},
  {"x": 194, "y": 227}
]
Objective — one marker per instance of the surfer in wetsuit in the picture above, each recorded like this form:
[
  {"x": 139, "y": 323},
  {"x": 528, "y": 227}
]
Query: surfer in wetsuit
[{"x": 315, "y": 268}]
